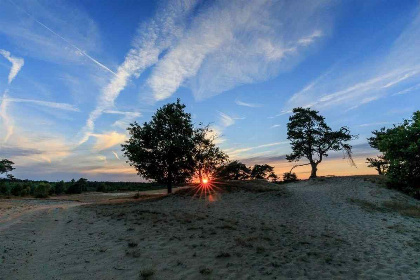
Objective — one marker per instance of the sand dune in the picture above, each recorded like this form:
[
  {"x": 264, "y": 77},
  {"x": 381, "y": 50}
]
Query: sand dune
[{"x": 323, "y": 229}]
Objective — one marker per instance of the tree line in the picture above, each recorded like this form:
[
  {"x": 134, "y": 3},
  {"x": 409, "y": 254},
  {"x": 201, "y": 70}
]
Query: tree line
[{"x": 169, "y": 150}]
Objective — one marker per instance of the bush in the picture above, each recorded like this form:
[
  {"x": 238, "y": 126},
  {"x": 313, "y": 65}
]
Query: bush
[
  {"x": 59, "y": 187},
  {"x": 16, "y": 189},
  {"x": 102, "y": 188},
  {"x": 42, "y": 190},
  {"x": 400, "y": 146},
  {"x": 78, "y": 186},
  {"x": 4, "y": 189},
  {"x": 289, "y": 177}
]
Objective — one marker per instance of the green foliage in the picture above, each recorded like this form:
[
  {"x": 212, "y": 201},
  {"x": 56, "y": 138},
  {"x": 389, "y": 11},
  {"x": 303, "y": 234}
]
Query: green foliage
[
  {"x": 163, "y": 148},
  {"x": 380, "y": 164},
  {"x": 263, "y": 171},
  {"x": 59, "y": 187},
  {"x": 42, "y": 190},
  {"x": 207, "y": 156},
  {"x": 312, "y": 138},
  {"x": 289, "y": 177},
  {"x": 400, "y": 146},
  {"x": 6, "y": 166},
  {"x": 234, "y": 170},
  {"x": 78, "y": 186},
  {"x": 4, "y": 188}
]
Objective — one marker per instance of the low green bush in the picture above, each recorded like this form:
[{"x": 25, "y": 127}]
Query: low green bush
[{"x": 42, "y": 190}]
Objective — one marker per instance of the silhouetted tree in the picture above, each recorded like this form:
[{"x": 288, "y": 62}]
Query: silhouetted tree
[
  {"x": 163, "y": 148},
  {"x": 207, "y": 156},
  {"x": 263, "y": 171},
  {"x": 234, "y": 170},
  {"x": 6, "y": 166},
  {"x": 379, "y": 163},
  {"x": 312, "y": 138}
]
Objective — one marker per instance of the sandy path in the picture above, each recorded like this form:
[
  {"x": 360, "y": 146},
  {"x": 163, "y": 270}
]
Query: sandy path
[{"x": 320, "y": 230}]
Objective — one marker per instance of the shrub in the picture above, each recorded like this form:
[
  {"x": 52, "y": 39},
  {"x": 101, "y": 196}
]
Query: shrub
[
  {"x": 400, "y": 146},
  {"x": 42, "y": 190},
  {"x": 289, "y": 177},
  {"x": 4, "y": 189},
  {"x": 59, "y": 187},
  {"x": 102, "y": 188},
  {"x": 16, "y": 189}
]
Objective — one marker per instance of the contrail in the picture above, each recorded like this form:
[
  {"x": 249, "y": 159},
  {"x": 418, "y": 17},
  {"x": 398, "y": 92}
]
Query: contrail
[{"x": 65, "y": 40}]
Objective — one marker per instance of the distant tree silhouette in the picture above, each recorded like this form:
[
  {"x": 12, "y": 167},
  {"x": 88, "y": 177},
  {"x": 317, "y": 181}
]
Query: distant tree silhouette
[
  {"x": 312, "y": 138},
  {"x": 263, "y": 171},
  {"x": 234, "y": 170},
  {"x": 163, "y": 149},
  {"x": 6, "y": 166},
  {"x": 379, "y": 163},
  {"x": 207, "y": 156}
]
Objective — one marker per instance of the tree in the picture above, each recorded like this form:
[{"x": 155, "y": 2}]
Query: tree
[
  {"x": 207, "y": 156},
  {"x": 163, "y": 149},
  {"x": 379, "y": 163},
  {"x": 312, "y": 138},
  {"x": 263, "y": 171},
  {"x": 6, "y": 166},
  {"x": 400, "y": 146},
  {"x": 234, "y": 170}
]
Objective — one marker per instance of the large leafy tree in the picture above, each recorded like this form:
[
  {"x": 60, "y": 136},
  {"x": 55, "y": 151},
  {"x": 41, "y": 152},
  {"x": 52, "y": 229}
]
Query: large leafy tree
[
  {"x": 207, "y": 156},
  {"x": 163, "y": 149},
  {"x": 6, "y": 166},
  {"x": 234, "y": 170},
  {"x": 312, "y": 138},
  {"x": 263, "y": 171},
  {"x": 400, "y": 146}
]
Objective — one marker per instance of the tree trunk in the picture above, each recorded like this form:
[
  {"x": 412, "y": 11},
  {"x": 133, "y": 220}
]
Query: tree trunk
[
  {"x": 314, "y": 169},
  {"x": 379, "y": 170},
  {"x": 169, "y": 184},
  {"x": 200, "y": 176}
]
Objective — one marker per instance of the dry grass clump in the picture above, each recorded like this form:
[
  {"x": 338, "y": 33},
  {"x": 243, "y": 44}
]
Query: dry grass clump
[
  {"x": 403, "y": 208},
  {"x": 147, "y": 273}
]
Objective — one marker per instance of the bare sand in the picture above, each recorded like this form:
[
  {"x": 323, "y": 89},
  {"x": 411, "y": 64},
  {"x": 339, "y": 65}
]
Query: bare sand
[{"x": 332, "y": 228}]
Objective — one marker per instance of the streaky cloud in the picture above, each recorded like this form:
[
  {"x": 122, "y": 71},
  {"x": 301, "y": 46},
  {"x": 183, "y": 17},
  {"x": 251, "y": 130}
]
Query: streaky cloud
[
  {"x": 230, "y": 43},
  {"x": 251, "y": 105},
  {"x": 153, "y": 38},
  {"x": 17, "y": 64}
]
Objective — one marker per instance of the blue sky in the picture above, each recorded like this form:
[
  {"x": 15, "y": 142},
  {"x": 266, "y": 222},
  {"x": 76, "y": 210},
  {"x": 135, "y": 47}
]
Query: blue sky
[{"x": 74, "y": 74}]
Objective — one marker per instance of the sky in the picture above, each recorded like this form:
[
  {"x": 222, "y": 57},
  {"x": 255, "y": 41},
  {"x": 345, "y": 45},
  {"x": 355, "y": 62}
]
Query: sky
[{"x": 74, "y": 75}]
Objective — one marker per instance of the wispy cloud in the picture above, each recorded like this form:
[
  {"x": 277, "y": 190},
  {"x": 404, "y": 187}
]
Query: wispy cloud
[
  {"x": 226, "y": 120},
  {"x": 153, "y": 38},
  {"x": 226, "y": 45},
  {"x": 241, "y": 152},
  {"x": 275, "y": 126},
  {"x": 108, "y": 140},
  {"x": 116, "y": 155},
  {"x": 17, "y": 64},
  {"x": 6, "y": 120},
  {"x": 400, "y": 68},
  {"x": 251, "y": 105},
  {"x": 55, "y": 105}
]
